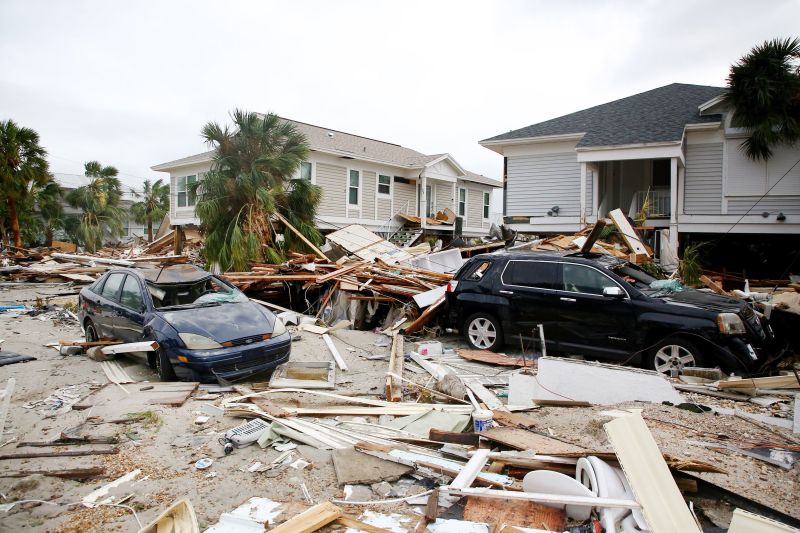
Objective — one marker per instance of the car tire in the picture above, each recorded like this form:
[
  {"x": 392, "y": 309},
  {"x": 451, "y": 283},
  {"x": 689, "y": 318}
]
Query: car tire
[
  {"x": 483, "y": 332},
  {"x": 90, "y": 332},
  {"x": 670, "y": 356},
  {"x": 164, "y": 366}
]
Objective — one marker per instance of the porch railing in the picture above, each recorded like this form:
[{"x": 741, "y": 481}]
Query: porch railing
[
  {"x": 658, "y": 203},
  {"x": 391, "y": 226}
]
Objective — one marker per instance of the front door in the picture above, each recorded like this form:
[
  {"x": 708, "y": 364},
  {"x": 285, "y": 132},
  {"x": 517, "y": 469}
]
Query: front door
[
  {"x": 588, "y": 322},
  {"x": 530, "y": 287}
]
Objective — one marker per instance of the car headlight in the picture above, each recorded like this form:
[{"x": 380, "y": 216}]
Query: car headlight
[
  {"x": 279, "y": 328},
  {"x": 730, "y": 324},
  {"x": 198, "y": 342}
]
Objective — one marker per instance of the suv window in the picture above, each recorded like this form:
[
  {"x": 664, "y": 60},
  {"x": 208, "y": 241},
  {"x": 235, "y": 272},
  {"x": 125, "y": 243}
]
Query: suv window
[
  {"x": 131, "y": 294},
  {"x": 111, "y": 286},
  {"x": 581, "y": 278},
  {"x": 478, "y": 272},
  {"x": 539, "y": 274}
]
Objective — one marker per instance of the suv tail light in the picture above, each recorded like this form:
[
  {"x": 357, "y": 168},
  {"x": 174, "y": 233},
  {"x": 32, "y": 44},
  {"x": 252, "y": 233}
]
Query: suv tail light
[{"x": 451, "y": 285}]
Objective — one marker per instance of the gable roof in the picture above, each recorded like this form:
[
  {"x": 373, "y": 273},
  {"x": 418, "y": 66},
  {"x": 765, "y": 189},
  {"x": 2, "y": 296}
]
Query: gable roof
[
  {"x": 658, "y": 115},
  {"x": 348, "y": 145}
]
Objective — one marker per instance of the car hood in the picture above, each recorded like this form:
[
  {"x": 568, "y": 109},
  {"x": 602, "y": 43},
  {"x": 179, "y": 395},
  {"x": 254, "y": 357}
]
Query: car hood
[
  {"x": 704, "y": 300},
  {"x": 223, "y": 322}
]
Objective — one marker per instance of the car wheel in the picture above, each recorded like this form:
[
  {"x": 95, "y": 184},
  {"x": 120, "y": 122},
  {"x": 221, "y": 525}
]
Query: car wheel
[
  {"x": 483, "y": 332},
  {"x": 90, "y": 332},
  {"x": 164, "y": 367},
  {"x": 671, "y": 356}
]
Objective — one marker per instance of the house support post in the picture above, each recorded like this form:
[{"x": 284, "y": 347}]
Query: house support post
[
  {"x": 673, "y": 204},
  {"x": 423, "y": 203},
  {"x": 583, "y": 194},
  {"x": 596, "y": 190}
]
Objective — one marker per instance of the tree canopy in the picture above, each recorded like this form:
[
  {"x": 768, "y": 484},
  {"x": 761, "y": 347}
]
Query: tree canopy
[
  {"x": 764, "y": 93},
  {"x": 152, "y": 204},
  {"x": 99, "y": 200},
  {"x": 249, "y": 180}
]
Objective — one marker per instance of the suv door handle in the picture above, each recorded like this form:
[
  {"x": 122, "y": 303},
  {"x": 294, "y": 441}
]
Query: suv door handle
[
  {"x": 505, "y": 292},
  {"x": 568, "y": 299}
]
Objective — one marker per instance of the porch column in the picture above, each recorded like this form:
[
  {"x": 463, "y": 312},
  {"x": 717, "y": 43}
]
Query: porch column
[
  {"x": 596, "y": 190},
  {"x": 583, "y": 194},
  {"x": 673, "y": 204},
  {"x": 423, "y": 202}
]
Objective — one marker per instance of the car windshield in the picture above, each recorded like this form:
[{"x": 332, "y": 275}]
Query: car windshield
[{"x": 209, "y": 291}]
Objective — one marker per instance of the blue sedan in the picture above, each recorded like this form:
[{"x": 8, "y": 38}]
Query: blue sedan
[{"x": 207, "y": 330}]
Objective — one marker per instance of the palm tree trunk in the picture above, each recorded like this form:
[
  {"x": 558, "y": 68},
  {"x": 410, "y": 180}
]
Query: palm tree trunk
[
  {"x": 149, "y": 229},
  {"x": 48, "y": 236},
  {"x": 12, "y": 214}
]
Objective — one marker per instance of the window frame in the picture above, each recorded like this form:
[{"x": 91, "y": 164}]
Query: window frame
[
  {"x": 378, "y": 185},
  {"x": 184, "y": 189},
  {"x": 487, "y": 202},
  {"x": 119, "y": 289},
  {"x": 612, "y": 280},
  {"x": 462, "y": 203},
  {"x": 299, "y": 174},
  {"x": 555, "y": 282},
  {"x": 350, "y": 186},
  {"x": 141, "y": 296}
]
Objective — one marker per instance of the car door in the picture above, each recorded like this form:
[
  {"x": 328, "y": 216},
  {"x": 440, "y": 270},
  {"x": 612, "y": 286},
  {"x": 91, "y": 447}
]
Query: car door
[
  {"x": 130, "y": 322},
  {"x": 589, "y": 322},
  {"x": 105, "y": 318},
  {"x": 530, "y": 287}
]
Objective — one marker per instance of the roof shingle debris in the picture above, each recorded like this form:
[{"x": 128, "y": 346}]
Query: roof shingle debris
[{"x": 658, "y": 115}]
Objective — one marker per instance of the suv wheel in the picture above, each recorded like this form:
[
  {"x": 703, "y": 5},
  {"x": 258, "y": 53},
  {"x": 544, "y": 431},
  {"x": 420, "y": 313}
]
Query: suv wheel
[
  {"x": 90, "y": 333},
  {"x": 671, "y": 356},
  {"x": 483, "y": 332}
]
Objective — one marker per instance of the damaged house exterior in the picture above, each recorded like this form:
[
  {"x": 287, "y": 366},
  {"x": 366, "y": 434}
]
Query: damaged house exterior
[
  {"x": 384, "y": 187},
  {"x": 673, "y": 146}
]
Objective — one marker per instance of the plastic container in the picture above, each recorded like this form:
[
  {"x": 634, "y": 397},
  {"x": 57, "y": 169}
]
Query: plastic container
[
  {"x": 481, "y": 420},
  {"x": 429, "y": 348}
]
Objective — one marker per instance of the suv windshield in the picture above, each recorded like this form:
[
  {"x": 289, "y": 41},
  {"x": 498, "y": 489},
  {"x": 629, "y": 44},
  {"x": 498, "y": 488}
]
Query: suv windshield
[{"x": 209, "y": 291}]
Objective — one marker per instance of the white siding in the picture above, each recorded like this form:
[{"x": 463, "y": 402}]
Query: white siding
[
  {"x": 589, "y": 190},
  {"x": 787, "y": 205},
  {"x": 333, "y": 181},
  {"x": 536, "y": 183},
  {"x": 368, "y": 180},
  {"x": 745, "y": 177},
  {"x": 443, "y": 196},
  {"x": 405, "y": 195},
  {"x": 702, "y": 191}
]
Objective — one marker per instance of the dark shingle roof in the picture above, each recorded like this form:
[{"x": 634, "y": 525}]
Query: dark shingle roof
[{"x": 657, "y": 115}]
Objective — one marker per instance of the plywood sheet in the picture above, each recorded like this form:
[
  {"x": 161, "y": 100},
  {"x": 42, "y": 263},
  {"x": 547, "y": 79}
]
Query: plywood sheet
[
  {"x": 522, "y": 439},
  {"x": 485, "y": 356},
  {"x": 518, "y": 513}
]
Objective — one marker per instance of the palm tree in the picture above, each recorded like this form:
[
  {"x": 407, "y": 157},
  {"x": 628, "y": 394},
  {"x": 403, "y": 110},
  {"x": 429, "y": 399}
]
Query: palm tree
[
  {"x": 99, "y": 201},
  {"x": 23, "y": 165},
  {"x": 764, "y": 94},
  {"x": 47, "y": 203},
  {"x": 153, "y": 206},
  {"x": 249, "y": 180}
]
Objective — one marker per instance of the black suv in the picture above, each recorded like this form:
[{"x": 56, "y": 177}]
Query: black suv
[{"x": 604, "y": 307}]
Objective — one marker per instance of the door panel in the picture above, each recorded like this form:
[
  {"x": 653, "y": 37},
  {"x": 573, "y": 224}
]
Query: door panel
[
  {"x": 108, "y": 312},
  {"x": 588, "y": 322},
  {"x": 130, "y": 322},
  {"x": 529, "y": 287}
]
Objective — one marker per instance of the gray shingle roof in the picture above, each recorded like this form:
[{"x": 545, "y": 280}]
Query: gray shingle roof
[
  {"x": 658, "y": 115},
  {"x": 347, "y": 145}
]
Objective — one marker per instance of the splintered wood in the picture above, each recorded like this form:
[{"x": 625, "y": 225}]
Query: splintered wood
[{"x": 394, "y": 385}]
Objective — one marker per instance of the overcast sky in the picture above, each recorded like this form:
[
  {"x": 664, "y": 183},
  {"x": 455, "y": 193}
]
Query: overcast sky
[{"x": 131, "y": 83}]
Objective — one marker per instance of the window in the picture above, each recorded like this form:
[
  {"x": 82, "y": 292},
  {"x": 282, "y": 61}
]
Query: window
[
  {"x": 111, "y": 287},
  {"x": 580, "y": 278},
  {"x": 305, "y": 171},
  {"x": 478, "y": 273},
  {"x": 486, "y": 200},
  {"x": 186, "y": 192},
  {"x": 462, "y": 202},
  {"x": 384, "y": 184},
  {"x": 353, "y": 189},
  {"x": 131, "y": 294},
  {"x": 206, "y": 292},
  {"x": 539, "y": 274}
]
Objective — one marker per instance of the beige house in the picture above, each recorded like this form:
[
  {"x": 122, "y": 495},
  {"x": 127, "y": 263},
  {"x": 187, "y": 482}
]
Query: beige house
[{"x": 382, "y": 186}]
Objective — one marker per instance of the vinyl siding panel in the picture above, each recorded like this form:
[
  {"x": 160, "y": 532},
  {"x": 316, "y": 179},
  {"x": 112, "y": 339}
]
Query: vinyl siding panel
[
  {"x": 405, "y": 195},
  {"x": 702, "y": 191},
  {"x": 536, "y": 183},
  {"x": 475, "y": 208},
  {"x": 788, "y": 205},
  {"x": 368, "y": 186},
  {"x": 443, "y": 197},
  {"x": 332, "y": 179},
  {"x": 589, "y": 190}
]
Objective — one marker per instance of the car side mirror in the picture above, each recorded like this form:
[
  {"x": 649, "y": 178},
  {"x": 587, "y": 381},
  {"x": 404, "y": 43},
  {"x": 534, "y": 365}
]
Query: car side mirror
[{"x": 613, "y": 292}]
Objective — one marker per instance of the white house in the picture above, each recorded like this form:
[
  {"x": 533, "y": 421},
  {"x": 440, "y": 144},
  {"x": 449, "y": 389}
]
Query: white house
[
  {"x": 380, "y": 185},
  {"x": 673, "y": 145}
]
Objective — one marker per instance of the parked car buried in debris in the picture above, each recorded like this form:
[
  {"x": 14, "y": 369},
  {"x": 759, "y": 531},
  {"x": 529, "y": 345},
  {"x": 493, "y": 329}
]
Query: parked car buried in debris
[
  {"x": 601, "y": 306},
  {"x": 207, "y": 330}
]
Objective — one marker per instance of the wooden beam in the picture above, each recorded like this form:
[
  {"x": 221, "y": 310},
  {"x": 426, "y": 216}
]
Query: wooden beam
[
  {"x": 311, "y": 519},
  {"x": 773, "y": 382},
  {"x": 358, "y": 525},
  {"x": 394, "y": 385},
  {"x": 593, "y": 236},
  {"x": 59, "y": 453},
  {"x": 471, "y": 470},
  {"x": 334, "y": 352},
  {"x": 300, "y": 235},
  {"x": 146, "y": 346},
  {"x": 629, "y": 235},
  {"x": 69, "y": 473},
  {"x": 587, "y": 501}
]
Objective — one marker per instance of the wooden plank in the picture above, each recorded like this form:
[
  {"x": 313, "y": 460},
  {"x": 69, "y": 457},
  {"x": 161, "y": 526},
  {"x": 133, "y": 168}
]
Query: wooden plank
[
  {"x": 453, "y": 437},
  {"x": 358, "y": 525},
  {"x": 424, "y": 317},
  {"x": 471, "y": 470},
  {"x": 262, "y": 403},
  {"x": 60, "y": 453},
  {"x": 593, "y": 236},
  {"x": 773, "y": 382},
  {"x": 556, "y": 499},
  {"x": 341, "y": 271},
  {"x": 498, "y": 512},
  {"x": 796, "y": 421},
  {"x": 69, "y": 473},
  {"x": 334, "y": 352},
  {"x": 713, "y": 285},
  {"x": 146, "y": 346},
  {"x": 521, "y": 439},
  {"x": 431, "y": 511},
  {"x": 394, "y": 386},
  {"x": 491, "y": 401},
  {"x": 310, "y": 520},
  {"x": 629, "y": 235},
  {"x": 649, "y": 476},
  {"x": 300, "y": 235},
  {"x": 517, "y": 420},
  {"x": 486, "y": 356}
]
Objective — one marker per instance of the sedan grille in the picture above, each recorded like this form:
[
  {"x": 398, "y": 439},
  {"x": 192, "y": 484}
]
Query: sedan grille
[
  {"x": 241, "y": 365},
  {"x": 247, "y": 340}
]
